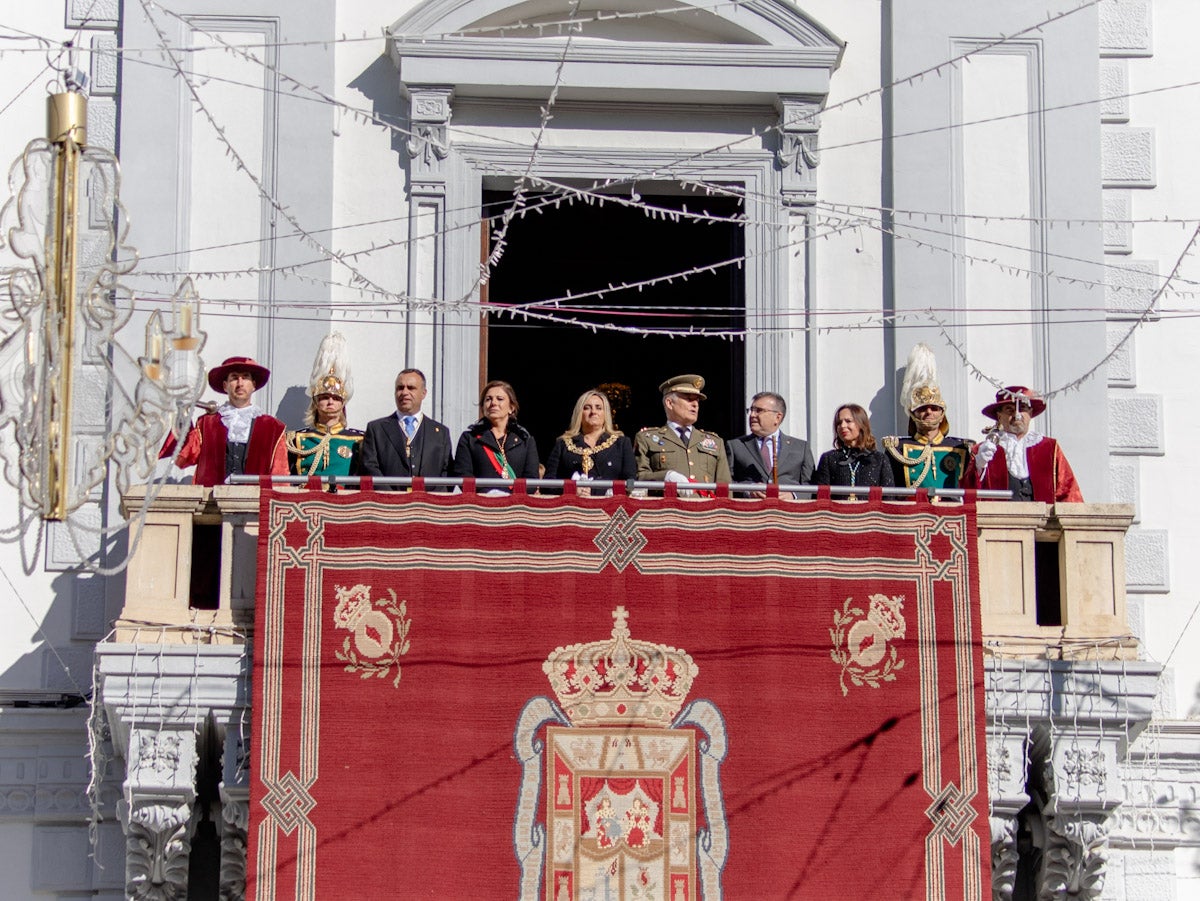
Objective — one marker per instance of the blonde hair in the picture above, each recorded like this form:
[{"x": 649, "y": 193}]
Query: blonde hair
[{"x": 576, "y": 425}]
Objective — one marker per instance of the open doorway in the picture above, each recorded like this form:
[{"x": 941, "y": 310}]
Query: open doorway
[{"x": 573, "y": 249}]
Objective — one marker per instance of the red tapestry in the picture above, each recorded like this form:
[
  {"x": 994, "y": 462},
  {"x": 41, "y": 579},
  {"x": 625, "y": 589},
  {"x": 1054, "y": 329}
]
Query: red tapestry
[{"x": 569, "y": 699}]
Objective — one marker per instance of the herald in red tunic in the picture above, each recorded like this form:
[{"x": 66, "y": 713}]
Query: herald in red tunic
[
  {"x": 1052, "y": 477},
  {"x": 204, "y": 447}
]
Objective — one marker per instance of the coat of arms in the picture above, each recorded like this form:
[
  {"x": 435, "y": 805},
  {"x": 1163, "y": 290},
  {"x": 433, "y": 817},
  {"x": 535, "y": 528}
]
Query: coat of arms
[
  {"x": 378, "y": 632},
  {"x": 862, "y": 644},
  {"x": 629, "y": 785}
]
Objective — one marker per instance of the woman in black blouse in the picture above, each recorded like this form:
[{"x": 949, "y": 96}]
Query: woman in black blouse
[
  {"x": 591, "y": 447},
  {"x": 854, "y": 461},
  {"x": 497, "y": 446}
]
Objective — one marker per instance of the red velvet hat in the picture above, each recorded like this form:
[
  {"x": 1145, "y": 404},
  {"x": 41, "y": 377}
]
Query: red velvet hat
[
  {"x": 216, "y": 375},
  {"x": 1016, "y": 394}
]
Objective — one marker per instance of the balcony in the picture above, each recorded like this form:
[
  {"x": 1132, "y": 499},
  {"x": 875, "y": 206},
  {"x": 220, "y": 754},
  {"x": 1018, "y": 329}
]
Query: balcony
[
  {"x": 1051, "y": 577},
  {"x": 1060, "y": 663}
]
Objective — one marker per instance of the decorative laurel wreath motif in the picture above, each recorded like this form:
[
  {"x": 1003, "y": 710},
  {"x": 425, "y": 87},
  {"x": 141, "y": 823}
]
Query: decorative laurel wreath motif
[
  {"x": 861, "y": 642},
  {"x": 378, "y": 632}
]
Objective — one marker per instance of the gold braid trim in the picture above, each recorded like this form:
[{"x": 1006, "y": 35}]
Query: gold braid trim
[
  {"x": 924, "y": 459},
  {"x": 586, "y": 452},
  {"x": 295, "y": 446}
]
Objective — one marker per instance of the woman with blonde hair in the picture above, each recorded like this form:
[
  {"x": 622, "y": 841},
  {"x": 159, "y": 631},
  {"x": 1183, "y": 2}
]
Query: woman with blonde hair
[
  {"x": 854, "y": 461},
  {"x": 592, "y": 447}
]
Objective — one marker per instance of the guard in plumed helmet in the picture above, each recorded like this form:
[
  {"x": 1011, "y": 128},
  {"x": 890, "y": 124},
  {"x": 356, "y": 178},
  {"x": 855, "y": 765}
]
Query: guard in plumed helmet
[
  {"x": 678, "y": 451},
  {"x": 327, "y": 447},
  {"x": 235, "y": 437},
  {"x": 929, "y": 457}
]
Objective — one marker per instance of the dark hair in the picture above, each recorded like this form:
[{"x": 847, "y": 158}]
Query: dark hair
[
  {"x": 418, "y": 373},
  {"x": 777, "y": 398},
  {"x": 507, "y": 389},
  {"x": 866, "y": 440}
]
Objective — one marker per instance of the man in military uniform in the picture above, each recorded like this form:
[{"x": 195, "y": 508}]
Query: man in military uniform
[
  {"x": 678, "y": 451},
  {"x": 929, "y": 457}
]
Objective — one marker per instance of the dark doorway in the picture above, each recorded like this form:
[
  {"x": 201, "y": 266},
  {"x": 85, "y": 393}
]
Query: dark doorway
[{"x": 564, "y": 252}]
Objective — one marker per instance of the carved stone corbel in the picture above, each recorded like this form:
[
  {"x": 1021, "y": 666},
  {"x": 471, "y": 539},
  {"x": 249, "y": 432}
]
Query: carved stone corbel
[
  {"x": 1079, "y": 774},
  {"x": 428, "y": 143},
  {"x": 235, "y": 813},
  {"x": 797, "y": 155},
  {"x": 1006, "y": 763},
  {"x": 157, "y": 845},
  {"x": 1073, "y": 865},
  {"x": 156, "y": 812},
  {"x": 1004, "y": 856}
]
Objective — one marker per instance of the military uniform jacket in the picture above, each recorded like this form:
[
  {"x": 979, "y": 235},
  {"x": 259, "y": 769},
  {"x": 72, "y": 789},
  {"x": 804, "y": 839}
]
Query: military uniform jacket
[
  {"x": 924, "y": 464},
  {"x": 660, "y": 449}
]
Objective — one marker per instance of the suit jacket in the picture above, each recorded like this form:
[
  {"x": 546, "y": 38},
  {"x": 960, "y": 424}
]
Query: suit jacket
[
  {"x": 386, "y": 450},
  {"x": 793, "y": 466}
]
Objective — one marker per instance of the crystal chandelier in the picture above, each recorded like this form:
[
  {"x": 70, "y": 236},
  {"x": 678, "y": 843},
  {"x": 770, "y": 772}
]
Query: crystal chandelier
[{"x": 75, "y": 404}]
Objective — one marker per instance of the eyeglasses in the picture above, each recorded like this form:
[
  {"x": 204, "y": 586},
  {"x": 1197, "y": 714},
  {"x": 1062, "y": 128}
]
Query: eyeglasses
[{"x": 761, "y": 410}]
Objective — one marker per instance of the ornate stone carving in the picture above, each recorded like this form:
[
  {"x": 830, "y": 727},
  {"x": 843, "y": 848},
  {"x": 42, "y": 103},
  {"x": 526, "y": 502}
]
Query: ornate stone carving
[
  {"x": 157, "y": 844},
  {"x": 159, "y": 753},
  {"x": 1083, "y": 767},
  {"x": 235, "y": 820},
  {"x": 797, "y": 156},
  {"x": 1004, "y": 856},
  {"x": 1075, "y": 857},
  {"x": 429, "y": 116},
  {"x": 235, "y": 812}
]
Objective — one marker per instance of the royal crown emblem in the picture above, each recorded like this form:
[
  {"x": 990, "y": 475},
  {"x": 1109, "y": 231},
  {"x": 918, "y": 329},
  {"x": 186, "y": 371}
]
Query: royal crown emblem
[{"x": 620, "y": 681}]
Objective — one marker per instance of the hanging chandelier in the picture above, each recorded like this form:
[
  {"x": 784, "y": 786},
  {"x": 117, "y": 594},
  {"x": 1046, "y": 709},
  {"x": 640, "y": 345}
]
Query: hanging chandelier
[{"x": 75, "y": 404}]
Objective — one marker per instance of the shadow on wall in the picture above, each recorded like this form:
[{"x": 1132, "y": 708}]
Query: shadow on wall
[{"x": 378, "y": 83}]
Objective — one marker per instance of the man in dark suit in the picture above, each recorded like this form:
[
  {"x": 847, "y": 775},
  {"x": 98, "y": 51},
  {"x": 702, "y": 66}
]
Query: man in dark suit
[
  {"x": 766, "y": 454},
  {"x": 408, "y": 443}
]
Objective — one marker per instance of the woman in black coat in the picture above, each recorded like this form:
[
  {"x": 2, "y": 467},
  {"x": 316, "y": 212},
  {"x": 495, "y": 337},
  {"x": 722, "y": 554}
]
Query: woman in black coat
[
  {"x": 497, "y": 447},
  {"x": 592, "y": 448},
  {"x": 854, "y": 461}
]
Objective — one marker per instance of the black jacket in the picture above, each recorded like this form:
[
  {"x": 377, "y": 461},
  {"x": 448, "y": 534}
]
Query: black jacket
[
  {"x": 470, "y": 459},
  {"x": 852, "y": 466},
  {"x": 614, "y": 462},
  {"x": 385, "y": 450}
]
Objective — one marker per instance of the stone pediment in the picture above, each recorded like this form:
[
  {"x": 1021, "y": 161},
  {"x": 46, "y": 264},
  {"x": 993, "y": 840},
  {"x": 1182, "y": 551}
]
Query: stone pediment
[{"x": 633, "y": 48}]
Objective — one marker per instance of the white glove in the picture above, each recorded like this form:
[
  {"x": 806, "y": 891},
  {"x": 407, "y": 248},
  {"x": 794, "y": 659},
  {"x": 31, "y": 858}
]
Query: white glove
[
  {"x": 679, "y": 479},
  {"x": 984, "y": 451}
]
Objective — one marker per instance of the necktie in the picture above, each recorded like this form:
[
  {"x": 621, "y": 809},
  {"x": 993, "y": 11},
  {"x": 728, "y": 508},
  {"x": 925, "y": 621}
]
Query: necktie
[
  {"x": 684, "y": 432},
  {"x": 410, "y": 428},
  {"x": 764, "y": 450}
]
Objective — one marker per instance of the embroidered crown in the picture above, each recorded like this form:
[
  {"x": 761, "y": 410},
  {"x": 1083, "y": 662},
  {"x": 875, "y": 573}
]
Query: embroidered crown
[{"x": 621, "y": 680}]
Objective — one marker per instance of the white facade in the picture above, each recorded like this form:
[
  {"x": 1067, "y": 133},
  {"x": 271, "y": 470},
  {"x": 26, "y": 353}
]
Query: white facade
[{"x": 1014, "y": 195}]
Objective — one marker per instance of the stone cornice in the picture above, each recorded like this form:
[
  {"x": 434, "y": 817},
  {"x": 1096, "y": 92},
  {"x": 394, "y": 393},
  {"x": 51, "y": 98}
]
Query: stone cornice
[{"x": 1113, "y": 694}]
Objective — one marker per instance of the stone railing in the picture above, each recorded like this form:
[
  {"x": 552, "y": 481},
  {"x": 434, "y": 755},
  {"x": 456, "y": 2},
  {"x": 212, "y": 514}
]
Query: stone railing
[
  {"x": 1051, "y": 577},
  {"x": 1052, "y": 580}
]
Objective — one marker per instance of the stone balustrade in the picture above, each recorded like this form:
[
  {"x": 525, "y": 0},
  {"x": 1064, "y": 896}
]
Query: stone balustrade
[{"x": 1051, "y": 577}]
